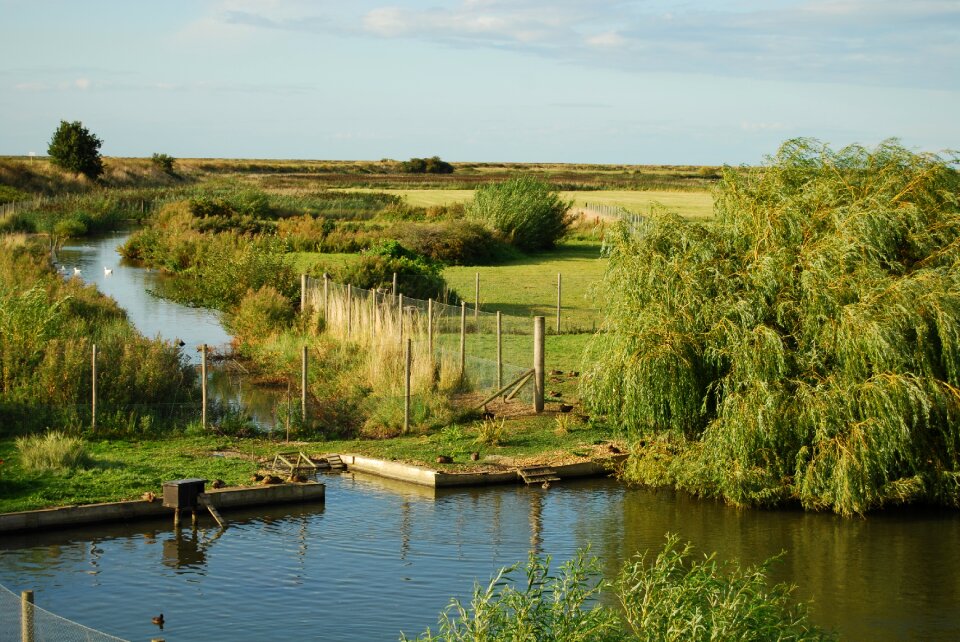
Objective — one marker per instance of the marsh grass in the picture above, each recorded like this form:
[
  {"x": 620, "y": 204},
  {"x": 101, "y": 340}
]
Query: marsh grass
[
  {"x": 491, "y": 431},
  {"x": 54, "y": 451}
]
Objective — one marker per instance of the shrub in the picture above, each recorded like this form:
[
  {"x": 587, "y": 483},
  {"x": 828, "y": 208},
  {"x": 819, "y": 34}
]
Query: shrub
[
  {"x": 417, "y": 276},
  {"x": 524, "y": 210},
  {"x": 75, "y": 149},
  {"x": 671, "y": 598},
  {"x": 164, "y": 163},
  {"x": 260, "y": 314},
  {"x": 490, "y": 432},
  {"x": 432, "y": 165},
  {"x": 10, "y": 194},
  {"x": 454, "y": 242},
  {"x": 54, "y": 451}
]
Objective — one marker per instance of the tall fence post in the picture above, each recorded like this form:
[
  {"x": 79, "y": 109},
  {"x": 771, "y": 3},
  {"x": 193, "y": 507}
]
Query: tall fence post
[
  {"x": 400, "y": 315},
  {"x": 373, "y": 314},
  {"x": 326, "y": 295},
  {"x": 303, "y": 293},
  {"x": 476, "y": 298},
  {"x": 303, "y": 385},
  {"x": 538, "y": 362},
  {"x": 394, "y": 286},
  {"x": 203, "y": 385},
  {"x": 349, "y": 308},
  {"x": 406, "y": 387},
  {"x": 26, "y": 616},
  {"x": 430, "y": 329},
  {"x": 463, "y": 338},
  {"x": 558, "y": 301},
  {"x": 93, "y": 389},
  {"x": 499, "y": 350}
]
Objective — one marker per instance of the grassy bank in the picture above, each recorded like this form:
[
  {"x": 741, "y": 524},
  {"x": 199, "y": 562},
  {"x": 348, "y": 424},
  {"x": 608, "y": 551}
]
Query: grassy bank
[{"x": 125, "y": 469}]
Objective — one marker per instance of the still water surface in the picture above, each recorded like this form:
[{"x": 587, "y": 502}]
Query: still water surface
[
  {"x": 383, "y": 557},
  {"x": 380, "y": 557}
]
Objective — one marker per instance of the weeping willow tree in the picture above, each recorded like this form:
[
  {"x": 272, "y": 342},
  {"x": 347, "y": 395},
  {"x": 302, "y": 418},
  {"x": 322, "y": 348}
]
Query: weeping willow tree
[{"x": 805, "y": 345}]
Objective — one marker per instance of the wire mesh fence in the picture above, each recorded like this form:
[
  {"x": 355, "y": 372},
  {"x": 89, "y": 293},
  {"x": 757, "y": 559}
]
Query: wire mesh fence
[{"x": 23, "y": 621}]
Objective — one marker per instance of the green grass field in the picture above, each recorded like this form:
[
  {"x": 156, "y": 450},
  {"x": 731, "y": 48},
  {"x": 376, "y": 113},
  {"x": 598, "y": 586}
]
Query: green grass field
[{"x": 695, "y": 205}]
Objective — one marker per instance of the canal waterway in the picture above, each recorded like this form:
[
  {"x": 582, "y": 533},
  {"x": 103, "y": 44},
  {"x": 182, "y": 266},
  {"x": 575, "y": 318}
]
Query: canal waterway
[{"x": 382, "y": 557}]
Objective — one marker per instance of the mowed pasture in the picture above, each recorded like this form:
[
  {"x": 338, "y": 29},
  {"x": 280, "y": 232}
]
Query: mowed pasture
[{"x": 690, "y": 204}]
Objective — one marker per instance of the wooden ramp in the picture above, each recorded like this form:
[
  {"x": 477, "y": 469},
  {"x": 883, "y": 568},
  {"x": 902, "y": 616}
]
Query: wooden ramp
[
  {"x": 538, "y": 475},
  {"x": 293, "y": 464}
]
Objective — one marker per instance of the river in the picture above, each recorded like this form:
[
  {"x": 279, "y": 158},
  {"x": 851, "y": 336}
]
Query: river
[{"x": 382, "y": 557}]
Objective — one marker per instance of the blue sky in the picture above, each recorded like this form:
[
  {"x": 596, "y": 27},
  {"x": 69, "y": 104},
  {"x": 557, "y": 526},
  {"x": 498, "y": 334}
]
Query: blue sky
[{"x": 589, "y": 81}]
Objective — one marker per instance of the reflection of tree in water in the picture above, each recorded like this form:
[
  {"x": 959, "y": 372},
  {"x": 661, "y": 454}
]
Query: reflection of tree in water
[
  {"x": 184, "y": 552},
  {"x": 536, "y": 521},
  {"x": 230, "y": 387},
  {"x": 406, "y": 526}
]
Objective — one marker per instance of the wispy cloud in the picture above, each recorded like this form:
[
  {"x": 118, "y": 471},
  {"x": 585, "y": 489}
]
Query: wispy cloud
[{"x": 876, "y": 42}]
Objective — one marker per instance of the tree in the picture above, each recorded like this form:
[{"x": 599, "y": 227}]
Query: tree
[
  {"x": 432, "y": 165},
  {"x": 75, "y": 149},
  {"x": 164, "y": 162},
  {"x": 804, "y": 345},
  {"x": 526, "y": 211}
]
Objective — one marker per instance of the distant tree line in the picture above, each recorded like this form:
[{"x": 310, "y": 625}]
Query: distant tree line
[{"x": 432, "y": 165}]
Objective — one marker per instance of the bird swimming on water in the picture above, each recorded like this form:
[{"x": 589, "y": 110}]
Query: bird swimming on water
[
  {"x": 158, "y": 620},
  {"x": 107, "y": 271},
  {"x": 76, "y": 270}
]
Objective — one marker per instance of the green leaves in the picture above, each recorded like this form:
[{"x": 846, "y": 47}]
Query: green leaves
[
  {"x": 809, "y": 338},
  {"x": 526, "y": 211},
  {"x": 75, "y": 149}
]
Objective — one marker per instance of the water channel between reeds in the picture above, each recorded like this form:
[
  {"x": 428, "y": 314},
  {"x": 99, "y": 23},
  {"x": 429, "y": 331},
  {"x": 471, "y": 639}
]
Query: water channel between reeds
[{"x": 382, "y": 557}]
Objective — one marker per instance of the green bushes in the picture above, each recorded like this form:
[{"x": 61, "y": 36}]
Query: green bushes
[
  {"x": 417, "y": 276},
  {"x": 74, "y": 148},
  {"x": 806, "y": 345},
  {"x": 432, "y": 165},
  {"x": 453, "y": 242},
  {"x": 526, "y": 211},
  {"x": 164, "y": 162},
  {"x": 669, "y": 597},
  {"x": 260, "y": 314},
  {"x": 53, "y": 451}
]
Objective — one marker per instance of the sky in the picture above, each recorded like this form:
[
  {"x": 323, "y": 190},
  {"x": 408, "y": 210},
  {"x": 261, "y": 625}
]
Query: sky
[{"x": 580, "y": 81}]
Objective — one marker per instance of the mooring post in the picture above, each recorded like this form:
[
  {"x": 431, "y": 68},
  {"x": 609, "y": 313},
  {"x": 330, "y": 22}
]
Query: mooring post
[
  {"x": 430, "y": 329},
  {"x": 463, "y": 338},
  {"x": 407, "y": 359},
  {"x": 93, "y": 389},
  {"x": 303, "y": 293},
  {"x": 26, "y": 616},
  {"x": 203, "y": 385},
  {"x": 558, "y": 302},
  {"x": 303, "y": 385},
  {"x": 499, "y": 350},
  {"x": 176, "y": 518},
  {"x": 538, "y": 362},
  {"x": 476, "y": 298}
]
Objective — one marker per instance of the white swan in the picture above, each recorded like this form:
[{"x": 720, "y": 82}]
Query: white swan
[
  {"x": 76, "y": 270},
  {"x": 107, "y": 271}
]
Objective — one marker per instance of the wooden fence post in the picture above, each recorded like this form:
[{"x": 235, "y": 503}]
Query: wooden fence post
[
  {"x": 476, "y": 298},
  {"x": 203, "y": 385},
  {"x": 26, "y": 616},
  {"x": 303, "y": 293},
  {"x": 303, "y": 385},
  {"x": 430, "y": 328},
  {"x": 394, "y": 285},
  {"x": 400, "y": 315},
  {"x": 463, "y": 338},
  {"x": 349, "y": 308},
  {"x": 326, "y": 295},
  {"x": 406, "y": 388},
  {"x": 558, "y": 302},
  {"x": 538, "y": 363},
  {"x": 499, "y": 351},
  {"x": 93, "y": 389}
]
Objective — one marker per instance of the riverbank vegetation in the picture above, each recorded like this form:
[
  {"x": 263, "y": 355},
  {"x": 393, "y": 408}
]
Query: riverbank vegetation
[
  {"x": 805, "y": 346},
  {"x": 667, "y": 596}
]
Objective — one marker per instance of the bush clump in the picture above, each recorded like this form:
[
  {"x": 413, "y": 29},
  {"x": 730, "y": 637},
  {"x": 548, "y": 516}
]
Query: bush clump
[
  {"x": 804, "y": 346},
  {"x": 670, "y": 597},
  {"x": 260, "y": 313},
  {"x": 454, "y": 242},
  {"x": 54, "y": 451},
  {"x": 417, "y": 276},
  {"x": 526, "y": 211},
  {"x": 432, "y": 165}
]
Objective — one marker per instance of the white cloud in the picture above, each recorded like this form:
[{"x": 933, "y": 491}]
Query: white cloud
[{"x": 608, "y": 39}]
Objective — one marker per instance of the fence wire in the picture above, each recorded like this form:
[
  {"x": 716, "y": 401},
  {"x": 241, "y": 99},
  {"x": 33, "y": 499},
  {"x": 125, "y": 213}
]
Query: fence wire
[{"x": 44, "y": 625}]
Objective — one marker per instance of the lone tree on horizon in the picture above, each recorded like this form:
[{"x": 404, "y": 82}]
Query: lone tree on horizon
[{"x": 74, "y": 148}]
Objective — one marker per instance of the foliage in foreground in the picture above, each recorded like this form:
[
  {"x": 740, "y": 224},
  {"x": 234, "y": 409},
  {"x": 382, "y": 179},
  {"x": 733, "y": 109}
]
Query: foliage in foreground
[
  {"x": 671, "y": 597},
  {"x": 526, "y": 211},
  {"x": 806, "y": 346}
]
